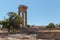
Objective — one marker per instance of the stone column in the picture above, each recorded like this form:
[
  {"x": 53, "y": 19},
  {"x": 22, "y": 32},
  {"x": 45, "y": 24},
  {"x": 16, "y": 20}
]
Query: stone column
[
  {"x": 22, "y": 19},
  {"x": 26, "y": 19},
  {"x": 23, "y": 9}
]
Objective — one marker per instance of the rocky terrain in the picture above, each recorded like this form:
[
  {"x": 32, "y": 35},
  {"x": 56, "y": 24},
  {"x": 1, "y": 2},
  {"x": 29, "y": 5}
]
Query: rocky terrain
[
  {"x": 4, "y": 35},
  {"x": 41, "y": 34},
  {"x": 21, "y": 37}
]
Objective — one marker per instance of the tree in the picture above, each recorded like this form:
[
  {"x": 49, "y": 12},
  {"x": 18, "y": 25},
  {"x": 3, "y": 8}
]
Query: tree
[
  {"x": 28, "y": 25},
  {"x": 59, "y": 25},
  {"x": 18, "y": 21},
  {"x": 12, "y": 14},
  {"x": 51, "y": 25},
  {"x": 5, "y": 23},
  {"x": 0, "y": 22},
  {"x": 15, "y": 20}
]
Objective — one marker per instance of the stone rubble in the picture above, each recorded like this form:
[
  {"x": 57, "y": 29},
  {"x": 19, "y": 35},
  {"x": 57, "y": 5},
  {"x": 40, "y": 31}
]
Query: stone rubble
[
  {"x": 18, "y": 37},
  {"x": 22, "y": 37}
]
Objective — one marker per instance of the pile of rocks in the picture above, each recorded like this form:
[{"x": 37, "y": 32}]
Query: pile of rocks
[{"x": 18, "y": 37}]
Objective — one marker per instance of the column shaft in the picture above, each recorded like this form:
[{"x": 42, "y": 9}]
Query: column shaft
[
  {"x": 26, "y": 19},
  {"x": 22, "y": 19}
]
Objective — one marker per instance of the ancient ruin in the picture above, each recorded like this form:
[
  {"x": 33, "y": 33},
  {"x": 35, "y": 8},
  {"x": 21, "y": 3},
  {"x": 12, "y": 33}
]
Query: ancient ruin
[
  {"x": 23, "y": 9},
  {"x": 30, "y": 33}
]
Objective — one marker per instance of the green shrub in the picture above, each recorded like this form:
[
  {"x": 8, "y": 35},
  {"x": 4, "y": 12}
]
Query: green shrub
[{"x": 51, "y": 25}]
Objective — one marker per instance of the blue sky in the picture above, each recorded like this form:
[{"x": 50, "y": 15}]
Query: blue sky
[{"x": 40, "y": 12}]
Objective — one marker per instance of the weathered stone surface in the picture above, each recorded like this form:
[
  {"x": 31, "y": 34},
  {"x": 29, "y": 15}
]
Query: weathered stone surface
[
  {"x": 41, "y": 34},
  {"x": 48, "y": 35}
]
